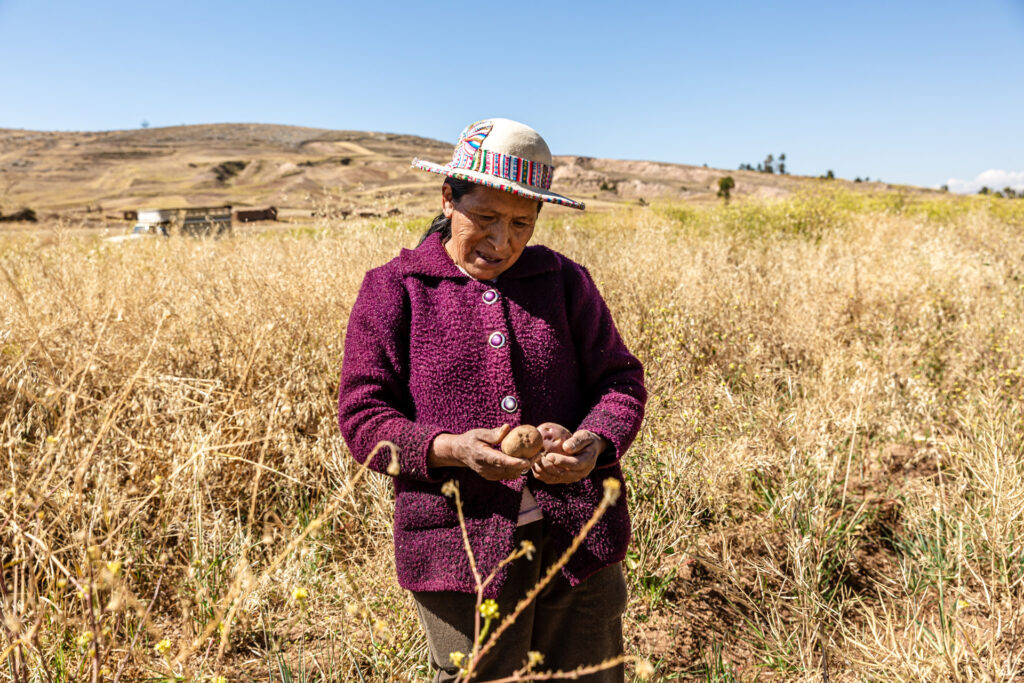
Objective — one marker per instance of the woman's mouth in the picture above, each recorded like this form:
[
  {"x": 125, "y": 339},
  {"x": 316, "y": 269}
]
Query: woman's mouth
[{"x": 490, "y": 260}]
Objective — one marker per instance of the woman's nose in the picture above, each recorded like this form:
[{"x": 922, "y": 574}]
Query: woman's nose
[{"x": 498, "y": 234}]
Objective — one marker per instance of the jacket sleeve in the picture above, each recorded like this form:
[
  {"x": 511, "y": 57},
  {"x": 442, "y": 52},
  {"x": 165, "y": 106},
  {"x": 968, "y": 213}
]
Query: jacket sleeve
[
  {"x": 374, "y": 403},
  {"x": 613, "y": 377}
]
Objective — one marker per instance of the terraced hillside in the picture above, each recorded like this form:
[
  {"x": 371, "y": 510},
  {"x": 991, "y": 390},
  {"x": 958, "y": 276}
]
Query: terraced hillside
[{"x": 92, "y": 175}]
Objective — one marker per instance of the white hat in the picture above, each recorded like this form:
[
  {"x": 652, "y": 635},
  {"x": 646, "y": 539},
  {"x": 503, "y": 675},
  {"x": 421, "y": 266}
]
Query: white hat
[{"x": 506, "y": 155}]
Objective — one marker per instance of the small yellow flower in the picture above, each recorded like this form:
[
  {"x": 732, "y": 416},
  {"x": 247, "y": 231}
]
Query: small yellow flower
[
  {"x": 644, "y": 669},
  {"x": 162, "y": 647},
  {"x": 534, "y": 658},
  {"x": 219, "y": 679},
  {"x": 612, "y": 489},
  {"x": 457, "y": 658},
  {"x": 51, "y": 439},
  {"x": 528, "y": 549},
  {"x": 114, "y": 567},
  {"x": 84, "y": 639},
  {"x": 450, "y": 488},
  {"x": 62, "y": 583},
  {"x": 300, "y": 594},
  {"x": 489, "y": 609},
  {"x": 962, "y": 604},
  {"x": 381, "y": 629}
]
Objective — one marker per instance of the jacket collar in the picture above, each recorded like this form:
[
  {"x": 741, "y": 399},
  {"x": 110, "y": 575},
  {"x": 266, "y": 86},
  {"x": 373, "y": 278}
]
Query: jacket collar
[{"x": 430, "y": 259}]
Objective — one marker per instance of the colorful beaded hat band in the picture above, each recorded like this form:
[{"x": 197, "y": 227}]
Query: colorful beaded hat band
[{"x": 528, "y": 173}]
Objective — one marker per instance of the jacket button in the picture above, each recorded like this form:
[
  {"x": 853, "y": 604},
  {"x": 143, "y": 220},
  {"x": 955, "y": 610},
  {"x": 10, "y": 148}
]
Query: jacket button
[
  {"x": 509, "y": 404},
  {"x": 496, "y": 340},
  {"x": 490, "y": 296}
]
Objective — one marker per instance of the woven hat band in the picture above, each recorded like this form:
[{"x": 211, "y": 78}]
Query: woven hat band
[{"x": 507, "y": 166}]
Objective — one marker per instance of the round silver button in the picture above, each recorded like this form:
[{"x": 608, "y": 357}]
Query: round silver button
[
  {"x": 509, "y": 404},
  {"x": 490, "y": 296},
  {"x": 496, "y": 340}
]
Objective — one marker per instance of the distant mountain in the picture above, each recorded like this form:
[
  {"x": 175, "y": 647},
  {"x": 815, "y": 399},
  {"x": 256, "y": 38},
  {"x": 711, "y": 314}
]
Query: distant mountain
[{"x": 299, "y": 170}]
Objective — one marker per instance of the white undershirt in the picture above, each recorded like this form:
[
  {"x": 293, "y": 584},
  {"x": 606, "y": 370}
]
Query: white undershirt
[{"x": 529, "y": 511}]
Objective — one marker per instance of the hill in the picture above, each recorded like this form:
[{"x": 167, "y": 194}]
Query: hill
[{"x": 89, "y": 175}]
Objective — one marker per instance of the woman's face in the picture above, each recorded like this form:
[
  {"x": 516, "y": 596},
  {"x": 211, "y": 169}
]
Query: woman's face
[{"x": 490, "y": 229}]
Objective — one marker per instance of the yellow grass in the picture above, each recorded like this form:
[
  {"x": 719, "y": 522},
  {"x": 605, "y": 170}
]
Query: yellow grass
[{"x": 829, "y": 477}]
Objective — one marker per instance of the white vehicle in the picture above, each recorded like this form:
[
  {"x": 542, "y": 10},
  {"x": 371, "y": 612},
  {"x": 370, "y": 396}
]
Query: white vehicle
[{"x": 154, "y": 222}]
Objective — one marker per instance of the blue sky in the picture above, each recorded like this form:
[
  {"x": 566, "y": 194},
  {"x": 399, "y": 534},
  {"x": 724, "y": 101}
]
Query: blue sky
[{"x": 909, "y": 92}]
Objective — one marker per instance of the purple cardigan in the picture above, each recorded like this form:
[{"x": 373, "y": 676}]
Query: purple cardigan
[{"x": 430, "y": 350}]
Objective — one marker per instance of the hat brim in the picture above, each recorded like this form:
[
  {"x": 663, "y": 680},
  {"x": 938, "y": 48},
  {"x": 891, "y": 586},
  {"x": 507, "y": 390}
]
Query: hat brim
[{"x": 498, "y": 184}]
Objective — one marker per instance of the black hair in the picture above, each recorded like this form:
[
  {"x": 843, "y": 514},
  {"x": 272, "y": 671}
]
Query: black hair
[{"x": 443, "y": 225}]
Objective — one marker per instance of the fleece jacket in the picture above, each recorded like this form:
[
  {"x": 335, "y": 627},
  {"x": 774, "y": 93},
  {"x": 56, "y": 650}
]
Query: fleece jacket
[{"x": 429, "y": 350}]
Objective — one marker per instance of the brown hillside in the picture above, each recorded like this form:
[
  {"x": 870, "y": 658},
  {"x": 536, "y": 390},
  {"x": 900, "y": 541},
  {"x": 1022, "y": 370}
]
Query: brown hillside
[{"x": 299, "y": 170}]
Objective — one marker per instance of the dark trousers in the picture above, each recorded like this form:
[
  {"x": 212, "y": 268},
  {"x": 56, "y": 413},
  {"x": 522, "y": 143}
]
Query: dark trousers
[{"x": 569, "y": 626}]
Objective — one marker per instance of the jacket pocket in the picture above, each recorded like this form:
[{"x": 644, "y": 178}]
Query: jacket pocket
[{"x": 424, "y": 507}]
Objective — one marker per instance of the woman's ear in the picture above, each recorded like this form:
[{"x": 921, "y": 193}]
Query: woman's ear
[{"x": 447, "y": 201}]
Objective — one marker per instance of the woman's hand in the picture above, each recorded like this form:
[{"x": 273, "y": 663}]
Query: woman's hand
[
  {"x": 476, "y": 450},
  {"x": 572, "y": 460}
]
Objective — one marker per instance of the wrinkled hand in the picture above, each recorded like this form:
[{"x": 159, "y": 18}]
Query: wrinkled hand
[
  {"x": 476, "y": 450},
  {"x": 569, "y": 460}
]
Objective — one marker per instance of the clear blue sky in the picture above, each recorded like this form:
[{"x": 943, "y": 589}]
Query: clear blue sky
[{"x": 912, "y": 92}]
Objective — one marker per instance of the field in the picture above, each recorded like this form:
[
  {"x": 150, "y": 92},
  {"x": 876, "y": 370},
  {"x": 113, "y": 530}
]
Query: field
[{"x": 829, "y": 484}]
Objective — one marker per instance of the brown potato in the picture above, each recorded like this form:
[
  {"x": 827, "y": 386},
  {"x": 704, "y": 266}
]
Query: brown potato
[
  {"x": 522, "y": 442},
  {"x": 554, "y": 435}
]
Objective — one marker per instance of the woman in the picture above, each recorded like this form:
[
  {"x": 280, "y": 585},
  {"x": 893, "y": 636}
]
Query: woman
[{"x": 447, "y": 346}]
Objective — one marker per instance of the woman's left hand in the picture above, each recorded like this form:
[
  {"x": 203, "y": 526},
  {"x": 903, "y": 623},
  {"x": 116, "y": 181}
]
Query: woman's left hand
[{"x": 577, "y": 459}]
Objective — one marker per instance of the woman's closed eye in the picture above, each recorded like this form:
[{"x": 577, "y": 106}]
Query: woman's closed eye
[{"x": 485, "y": 218}]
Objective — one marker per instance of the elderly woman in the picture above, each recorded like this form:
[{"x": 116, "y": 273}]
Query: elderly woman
[{"x": 451, "y": 343}]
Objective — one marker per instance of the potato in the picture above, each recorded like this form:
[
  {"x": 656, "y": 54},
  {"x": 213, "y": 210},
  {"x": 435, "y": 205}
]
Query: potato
[
  {"x": 522, "y": 442},
  {"x": 554, "y": 435}
]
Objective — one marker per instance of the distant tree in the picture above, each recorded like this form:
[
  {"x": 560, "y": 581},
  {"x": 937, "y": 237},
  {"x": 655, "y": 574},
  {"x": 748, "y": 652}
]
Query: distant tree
[
  {"x": 782, "y": 164},
  {"x": 984, "y": 190},
  {"x": 829, "y": 175},
  {"x": 768, "y": 164},
  {"x": 857, "y": 179},
  {"x": 760, "y": 168},
  {"x": 145, "y": 123},
  {"x": 1010, "y": 192},
  {"x": 725, "y": 186},
  {"x": 944, "y": 188}
]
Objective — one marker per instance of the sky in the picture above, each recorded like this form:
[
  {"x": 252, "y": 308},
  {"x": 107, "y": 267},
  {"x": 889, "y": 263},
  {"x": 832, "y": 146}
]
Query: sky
[{"x": 924, "y": 92}]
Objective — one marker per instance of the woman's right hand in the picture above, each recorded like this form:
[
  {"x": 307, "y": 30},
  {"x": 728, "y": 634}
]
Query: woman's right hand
[{"x": 476, "y": 449}]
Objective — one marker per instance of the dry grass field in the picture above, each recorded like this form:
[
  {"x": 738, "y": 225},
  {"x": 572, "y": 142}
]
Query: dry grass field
[{"x": 829, "y": 484}]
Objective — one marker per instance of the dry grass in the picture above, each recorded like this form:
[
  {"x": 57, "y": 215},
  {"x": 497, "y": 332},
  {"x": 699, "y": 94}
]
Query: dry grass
[{"x": 829, "y": 478}]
